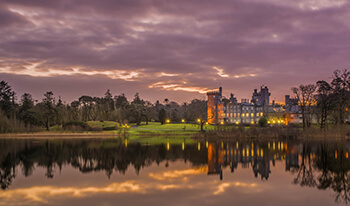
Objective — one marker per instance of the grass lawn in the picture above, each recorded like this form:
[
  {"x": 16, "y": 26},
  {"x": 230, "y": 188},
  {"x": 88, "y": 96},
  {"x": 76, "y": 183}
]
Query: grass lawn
[
  {"x": 174, "y": 126},
  {"x": 103, "y": 124}
]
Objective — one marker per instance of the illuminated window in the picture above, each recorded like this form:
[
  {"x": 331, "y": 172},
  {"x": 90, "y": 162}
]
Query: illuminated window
[
  {"x": 261, "y": 114},
  {"x": 247, "y": 114},
  {"x": 252, "y": 114},
  {"x": 243, "y": 115},
  {"x": 235, "y": 114},
  {"x": 257, "y": 114}
]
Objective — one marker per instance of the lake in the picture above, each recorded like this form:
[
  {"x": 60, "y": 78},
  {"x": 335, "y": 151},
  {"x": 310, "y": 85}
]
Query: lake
[{"x": 117, "y": 171}]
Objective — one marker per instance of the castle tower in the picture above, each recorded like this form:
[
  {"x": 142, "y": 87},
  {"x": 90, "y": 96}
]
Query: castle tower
[{"x": 214, "y": 104}]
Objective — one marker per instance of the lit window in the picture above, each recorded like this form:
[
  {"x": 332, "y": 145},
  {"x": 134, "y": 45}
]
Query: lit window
[
  {"x": 252, "y": 114},
  {"x": 261, "y": 114},
  {"x": 247, "y": 114},
  {"x": 257, "y": 114},
  {"x": 235, "y": 115},
  {"x": 243, "y": 115}
]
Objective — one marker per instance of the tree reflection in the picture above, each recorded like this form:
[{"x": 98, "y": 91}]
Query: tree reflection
[
  {"x": 324, "y": 165},
  {"x": 305, "y": 176}
]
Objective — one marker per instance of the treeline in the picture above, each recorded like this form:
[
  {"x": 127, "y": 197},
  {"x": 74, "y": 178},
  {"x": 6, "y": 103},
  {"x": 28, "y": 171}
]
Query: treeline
[
  {"x": 327, "y": 102},
  {"x": 28, "y": 115}
]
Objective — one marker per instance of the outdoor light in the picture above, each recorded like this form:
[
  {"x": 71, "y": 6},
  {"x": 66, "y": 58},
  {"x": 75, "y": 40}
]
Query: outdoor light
[
  {"x": 167, "y": 121},
  {"x": 183, "y": 120},
  {"x": 198, "y": 120}
]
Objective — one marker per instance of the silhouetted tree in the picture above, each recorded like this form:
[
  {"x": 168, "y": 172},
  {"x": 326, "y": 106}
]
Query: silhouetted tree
[{"x": 162, "y": 116}]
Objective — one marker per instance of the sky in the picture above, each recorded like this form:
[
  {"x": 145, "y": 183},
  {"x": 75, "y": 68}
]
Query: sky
[{"x": 177, "y": 50}]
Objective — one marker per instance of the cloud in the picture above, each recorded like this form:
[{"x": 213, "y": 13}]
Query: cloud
[{"x": 240, "y": 44}]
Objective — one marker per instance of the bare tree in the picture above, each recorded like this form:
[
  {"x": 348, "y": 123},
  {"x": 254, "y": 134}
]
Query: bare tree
[{"x": 305, "y": 95}]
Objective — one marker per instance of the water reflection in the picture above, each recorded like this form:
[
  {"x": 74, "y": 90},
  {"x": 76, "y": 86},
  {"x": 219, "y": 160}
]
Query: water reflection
[{"x": 321, "y": 165}]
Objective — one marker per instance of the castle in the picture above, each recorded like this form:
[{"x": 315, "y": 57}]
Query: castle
[{"x": 222, "y": 110}]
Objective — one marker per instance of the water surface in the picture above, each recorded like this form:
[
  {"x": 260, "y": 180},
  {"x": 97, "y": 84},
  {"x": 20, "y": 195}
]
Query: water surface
[{"x": 123, "y": 172}]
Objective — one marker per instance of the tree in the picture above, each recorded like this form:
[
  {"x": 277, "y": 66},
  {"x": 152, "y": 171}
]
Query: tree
[
  {"x": 162, "y": 116},
  {"x": 7, "y": 97},
  {"x": 341, "y": 92},
  {"x": 121, "y": 104},
  {"x": 108, "y": 105},
  {"x": 26, "y": 114},
  {"x": 304, "y": 94},
  {"x": 324, "y": 101},
  {"x": 87, "y": 102},
  {"x": 50, "y": 111},
  {"x": 262, "y": 121}
]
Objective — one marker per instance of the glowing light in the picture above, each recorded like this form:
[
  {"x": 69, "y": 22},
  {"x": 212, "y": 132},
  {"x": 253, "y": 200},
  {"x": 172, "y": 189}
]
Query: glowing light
[
  {"x": 183, "y": 145},
  {"x": 168, "y": 146},
  {"x": 252, "y": 122},
  {"x": 222, "y": 122},
  {"x": 206, "y": 144},
  {"x": 183, "y": 120},
  {"x": 167, "y": 121},
  {"x": 199, "y": 146},
  {"x": 126, "y": 142},
  {"x": 237, "y": 123},
  {"x": 268, "y": 122},
  {"x": 198, "y": 120},
  {"x": 336, "y": 154}
]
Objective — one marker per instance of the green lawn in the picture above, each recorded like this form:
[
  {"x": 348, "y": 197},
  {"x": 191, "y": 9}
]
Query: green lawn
[
  {"x": 103, "y": 124},
  {"x": 174, "y": 126},
  {"x": 153, "y": 129}
]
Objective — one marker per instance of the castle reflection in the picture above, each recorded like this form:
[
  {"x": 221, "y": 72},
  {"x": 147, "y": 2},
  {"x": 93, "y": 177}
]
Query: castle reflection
[
  {"x": 249, "y": 154},
  {"x": 314, "y": 164}
]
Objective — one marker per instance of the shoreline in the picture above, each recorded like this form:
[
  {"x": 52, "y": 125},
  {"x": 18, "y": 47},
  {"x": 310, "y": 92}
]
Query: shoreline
[{"x": 56, "y": 135}]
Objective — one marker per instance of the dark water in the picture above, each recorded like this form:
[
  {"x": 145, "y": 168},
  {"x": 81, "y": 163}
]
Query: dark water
[{"x": 113, "y": 172}]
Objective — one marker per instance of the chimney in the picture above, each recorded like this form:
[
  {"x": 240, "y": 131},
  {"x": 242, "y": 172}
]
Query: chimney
[{"x": 220, "y": 89}]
